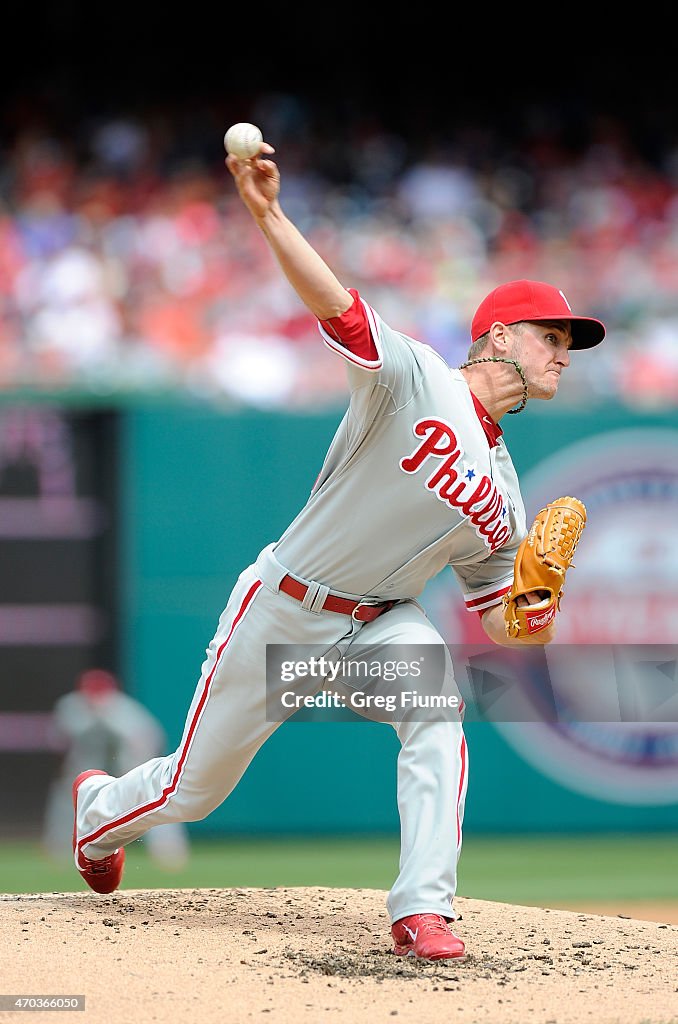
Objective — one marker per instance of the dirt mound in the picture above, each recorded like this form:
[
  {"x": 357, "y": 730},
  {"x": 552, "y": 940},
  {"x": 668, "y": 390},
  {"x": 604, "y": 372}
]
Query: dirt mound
[{"x": 314, "y": 954}]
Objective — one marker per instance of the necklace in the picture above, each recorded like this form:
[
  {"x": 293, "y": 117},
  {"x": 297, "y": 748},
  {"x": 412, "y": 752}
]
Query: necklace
[{"x": 513, "y": 362}]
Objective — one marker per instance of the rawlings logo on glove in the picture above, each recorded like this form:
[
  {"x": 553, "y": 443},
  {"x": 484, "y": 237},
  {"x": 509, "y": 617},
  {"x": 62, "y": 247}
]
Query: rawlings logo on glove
[{"x": 541, "y": 562}]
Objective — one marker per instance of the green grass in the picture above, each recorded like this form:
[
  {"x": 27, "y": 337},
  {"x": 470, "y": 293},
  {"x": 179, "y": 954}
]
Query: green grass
[
  {"x": 344, "y": 862},
  {"x": 567, "y": 868},
  {"x": 532, "y": 871}
]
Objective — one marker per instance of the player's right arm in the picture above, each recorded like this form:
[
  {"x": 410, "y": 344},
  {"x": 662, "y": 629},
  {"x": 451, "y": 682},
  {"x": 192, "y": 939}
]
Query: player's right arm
[
  {"x": 258, "y": 183},
  {"x": 347, "y": 324}
]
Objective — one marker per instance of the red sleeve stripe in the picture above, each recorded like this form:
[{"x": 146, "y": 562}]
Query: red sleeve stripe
[
  {"x": 476, "y": 604},
  {"x": 490, "y": 589},
  {"x": 355, "y": 334}
]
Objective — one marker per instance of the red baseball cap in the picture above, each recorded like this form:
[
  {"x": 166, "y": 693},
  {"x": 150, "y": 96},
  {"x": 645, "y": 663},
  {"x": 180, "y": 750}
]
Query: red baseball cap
[
  {"x": 534, "y": 300},
  {"x": 97, "y": 682}
]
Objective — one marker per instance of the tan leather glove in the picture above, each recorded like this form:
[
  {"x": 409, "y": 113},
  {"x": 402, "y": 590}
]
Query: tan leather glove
[{"x": 541, "y": 562}]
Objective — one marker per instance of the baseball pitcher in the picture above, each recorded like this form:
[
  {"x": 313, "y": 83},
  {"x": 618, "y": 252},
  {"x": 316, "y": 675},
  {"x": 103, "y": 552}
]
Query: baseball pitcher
[{"x": 417, "y": 478}]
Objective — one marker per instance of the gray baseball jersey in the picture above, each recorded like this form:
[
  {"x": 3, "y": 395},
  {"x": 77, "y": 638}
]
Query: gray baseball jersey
[{"x": 417, "y": 478}]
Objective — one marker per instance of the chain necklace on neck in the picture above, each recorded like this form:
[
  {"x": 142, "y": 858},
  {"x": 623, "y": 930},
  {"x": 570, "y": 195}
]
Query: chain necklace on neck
[{"x": 513, "y": 362}]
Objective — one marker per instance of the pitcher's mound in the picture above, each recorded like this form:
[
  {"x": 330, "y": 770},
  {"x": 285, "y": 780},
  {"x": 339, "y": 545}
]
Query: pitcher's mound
[{"x": 314, "y": 955}]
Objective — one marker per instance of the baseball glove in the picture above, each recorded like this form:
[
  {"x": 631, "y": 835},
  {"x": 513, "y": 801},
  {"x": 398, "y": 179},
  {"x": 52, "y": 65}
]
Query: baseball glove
[{"x": 541, "y": 562}]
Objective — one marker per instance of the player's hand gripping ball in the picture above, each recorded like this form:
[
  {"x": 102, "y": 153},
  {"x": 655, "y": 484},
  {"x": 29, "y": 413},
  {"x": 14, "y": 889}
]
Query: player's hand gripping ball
[
  {"x": 243, "y": 140},
  {"x": 541, "y": 562}
]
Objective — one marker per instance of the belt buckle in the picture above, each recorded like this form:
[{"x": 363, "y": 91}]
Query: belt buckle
[{"x": 366, "y": 602}]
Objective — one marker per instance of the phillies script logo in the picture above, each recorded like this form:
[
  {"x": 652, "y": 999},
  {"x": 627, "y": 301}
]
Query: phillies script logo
[{"x": 477, "y": 499}]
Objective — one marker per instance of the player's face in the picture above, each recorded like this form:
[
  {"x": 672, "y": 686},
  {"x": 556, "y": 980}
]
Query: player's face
[{"x": 543, "y": 351}]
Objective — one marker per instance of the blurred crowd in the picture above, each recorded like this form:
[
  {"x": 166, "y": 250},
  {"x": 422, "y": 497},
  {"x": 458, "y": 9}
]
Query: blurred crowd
[{"x": 128, "y": 266}]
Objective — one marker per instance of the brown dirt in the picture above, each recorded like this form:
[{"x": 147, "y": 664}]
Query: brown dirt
[
  {"x": 663, "y": 911},
  {"x": 312, "y": 955}
]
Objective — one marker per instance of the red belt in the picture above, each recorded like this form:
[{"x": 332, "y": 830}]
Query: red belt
[{"x": 362, "y": 611}]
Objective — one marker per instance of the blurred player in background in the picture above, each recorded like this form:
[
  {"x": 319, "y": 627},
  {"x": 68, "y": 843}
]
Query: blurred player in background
[{"x": 98, "y": 723}]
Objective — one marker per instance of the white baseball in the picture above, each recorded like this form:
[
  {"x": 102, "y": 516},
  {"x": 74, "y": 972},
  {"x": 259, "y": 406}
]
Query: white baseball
[{"x": 243, "y": 140}]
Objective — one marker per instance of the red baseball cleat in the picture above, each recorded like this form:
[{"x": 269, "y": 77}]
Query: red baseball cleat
[
  {"x": 101, "y": 875},
  {"x": 427, "y": 936}
]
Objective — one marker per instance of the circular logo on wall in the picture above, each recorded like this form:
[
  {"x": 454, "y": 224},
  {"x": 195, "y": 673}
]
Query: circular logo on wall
[{"x": 614, "y": 664}]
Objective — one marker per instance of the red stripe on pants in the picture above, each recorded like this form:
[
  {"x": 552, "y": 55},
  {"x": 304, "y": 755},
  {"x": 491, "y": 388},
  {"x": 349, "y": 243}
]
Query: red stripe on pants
[
  {"x": 461, "y": 787},
  {"x": 169, "y": 789}
]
